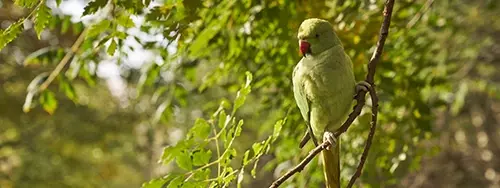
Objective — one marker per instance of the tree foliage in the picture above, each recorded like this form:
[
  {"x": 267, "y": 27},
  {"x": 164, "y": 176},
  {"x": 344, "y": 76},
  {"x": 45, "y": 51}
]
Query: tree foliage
[{"x": 210, "y": 100}]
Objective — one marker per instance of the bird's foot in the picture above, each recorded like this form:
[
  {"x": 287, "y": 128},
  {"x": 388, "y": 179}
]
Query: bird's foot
[
  {"x": 330, "y": 137},
  {"x": 361, "y": 86}
]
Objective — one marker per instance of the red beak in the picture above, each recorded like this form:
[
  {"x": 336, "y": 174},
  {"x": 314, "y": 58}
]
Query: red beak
[{"x": 304, "y": 47}]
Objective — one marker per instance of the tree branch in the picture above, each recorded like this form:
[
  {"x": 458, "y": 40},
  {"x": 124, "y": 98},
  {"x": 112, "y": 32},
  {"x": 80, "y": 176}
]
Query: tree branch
[
  {"x": 364, "y": 156},
  {"x": 301, "y": 165},
  {"x": 360, "y": 98},
  {"x": 64, "y": 60}
]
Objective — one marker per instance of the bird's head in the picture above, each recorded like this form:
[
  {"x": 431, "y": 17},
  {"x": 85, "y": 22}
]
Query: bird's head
[{"x": 315, "y": 36}]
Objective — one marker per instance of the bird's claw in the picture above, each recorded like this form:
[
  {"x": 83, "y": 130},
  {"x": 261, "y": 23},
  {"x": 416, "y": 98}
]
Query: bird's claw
[
  {"x": 361, "y": 86},
  {"x": 330, "y": 137}
]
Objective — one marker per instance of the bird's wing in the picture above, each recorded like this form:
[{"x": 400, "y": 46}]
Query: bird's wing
[{"x": 300, "y": 95}]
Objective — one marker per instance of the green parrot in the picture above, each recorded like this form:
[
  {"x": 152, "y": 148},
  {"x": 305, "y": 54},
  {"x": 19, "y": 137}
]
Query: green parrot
[{"x": 323, "y": 87}]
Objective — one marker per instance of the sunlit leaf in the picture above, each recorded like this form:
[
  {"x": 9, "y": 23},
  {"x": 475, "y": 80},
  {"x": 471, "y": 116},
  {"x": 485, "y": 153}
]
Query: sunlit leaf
[
  {"x": 94, "y": 6},
  {"x": 111, "y": 48},
  {"x": 201, "y": 157},
  {"x": 26, "y": 3},
  {"x": 176, "y": 182},
  {"x": 98, "y": 28},
  {"x": 184, "y": 161},
  {"x": 48, "y": 101},
  {"x": 42, "y": 18},
  {"x": 125, "y": 21},
  {"x": 67, "y": 88},
  {"x": 9, "y": 34},
  {"x": 201, "y": 129}
]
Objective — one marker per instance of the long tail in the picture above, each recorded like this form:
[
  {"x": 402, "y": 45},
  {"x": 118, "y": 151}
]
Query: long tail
[{"x": 331, "y": 166}]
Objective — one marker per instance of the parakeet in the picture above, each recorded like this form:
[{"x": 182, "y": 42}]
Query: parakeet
[{"x": 323, "y": 87}]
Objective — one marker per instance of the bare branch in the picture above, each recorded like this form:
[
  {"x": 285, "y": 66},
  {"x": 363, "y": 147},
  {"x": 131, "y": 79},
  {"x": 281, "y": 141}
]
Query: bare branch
[
  {"x": 384, "y": 31},
  {"x": 373, "y": 127},
  {"x": 64, "y": 60},
  {"x": 301, "y": 165}
]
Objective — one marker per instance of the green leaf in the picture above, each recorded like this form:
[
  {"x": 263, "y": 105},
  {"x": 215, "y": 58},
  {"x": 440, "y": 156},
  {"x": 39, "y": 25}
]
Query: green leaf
[
  {"x": 459, "y": 99},
  {"x": 125, "y": 21},
  {"x": 157, "y": 183},
  {"x": 44, "y": 55},
  {"x": 277, "y": 129},
  {"x": 246, "y": 159},
  {"x": 171, "y": 152},
  {"x": 58, "y": 2},
  {"x": 11, "y": 33},
  {"x": 190, "y": 184},
  {"x": 26, "y": 3},
  {"x": 87, "y": 72},
  {"x": 184, "y": 161},
  {"x": 229, "y": 154},
  {"x": 201, "y": 41},
  {"x": 77, "y": 28},
  {"x": 43, "y": 14},
  {"x": 112, "y": 47},
  {"x": 149, "y": 75},
  {"x": 228, "y": 175},
  {"x": 257, "y": 147},
  {"x": 202, "y": 174},
  {"x": 249, "y": 79},
  {"x": 201, "y": 129},
  {"x": 242, "y": 93},
  {"x": 253, "y": 172},
  {"x": 201, "y": 157},
  {"x": 223, "y": 119},
  {"x": 121, "y": 35},
  {"x": 66, "y": 22},
  {"x": 74, "y": 69},
  {"x": 94, "y": 6},
  {"x": 98, "y": 28},
  {"x": 67, "y": 88},
  {"x": 239, "y": 128},
  {"x": 103, "y": 41},
  {"x": 48, "y": 101},
  {"x": 176, "y": 182}
]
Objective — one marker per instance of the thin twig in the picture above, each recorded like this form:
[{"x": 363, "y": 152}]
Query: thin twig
[
  {"x": 373, "y": 127},
  {"x": 64, "y": 60},
  {"x": 360, "y": 97},
  {"x": 301, "y": 165},
  {"x": 218, "y": 150},
  {"x": 417, "y": 16}
]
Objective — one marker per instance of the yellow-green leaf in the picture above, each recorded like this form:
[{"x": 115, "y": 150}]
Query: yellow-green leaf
[
  {"x": 112, "y": 47},
  {"x": 42, "y": 16},
  {"x": 26, "y": 3},
  {"x": 184, "y": 161},
  {"x": 98, "y": 28},
  {"x": 48, "y": 101},
  {"x": 125, "y": 21},
  {"x": 10, "y": 33},
  {"x": 94, "y": 6}
]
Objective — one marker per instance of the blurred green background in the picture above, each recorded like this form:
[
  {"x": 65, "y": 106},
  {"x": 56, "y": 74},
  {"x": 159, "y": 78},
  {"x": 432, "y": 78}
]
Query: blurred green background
[{"x": 139, "y": 102}]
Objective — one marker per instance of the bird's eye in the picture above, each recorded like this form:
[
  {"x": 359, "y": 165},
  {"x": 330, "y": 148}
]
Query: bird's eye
[{"x": 317, "y": 35}]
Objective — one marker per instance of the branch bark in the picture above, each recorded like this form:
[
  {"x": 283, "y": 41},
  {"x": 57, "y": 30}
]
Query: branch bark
[
  {"x": 301, "y": 165},
  {"x": 64, "y": 60},
  {"x": 360, "y": 98}
]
